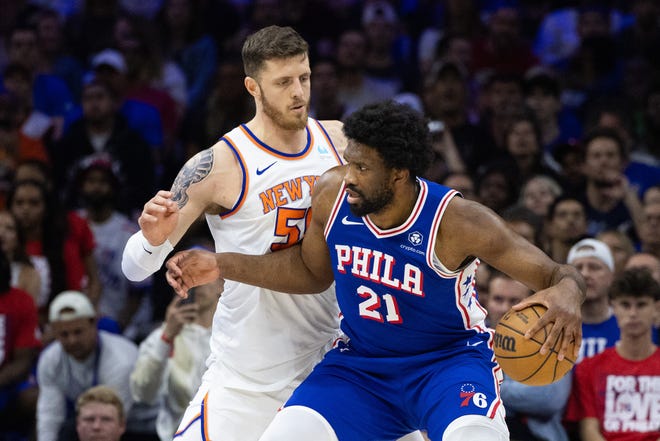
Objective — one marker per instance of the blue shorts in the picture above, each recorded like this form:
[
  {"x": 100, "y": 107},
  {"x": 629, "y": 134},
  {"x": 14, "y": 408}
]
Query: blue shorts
[{"x": 367, "y": 398}]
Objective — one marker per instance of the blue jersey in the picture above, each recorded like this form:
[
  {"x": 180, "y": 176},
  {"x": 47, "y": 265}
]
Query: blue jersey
[
  {"x": 419, "y": 355},
  {"x": 395, "y": 296}
]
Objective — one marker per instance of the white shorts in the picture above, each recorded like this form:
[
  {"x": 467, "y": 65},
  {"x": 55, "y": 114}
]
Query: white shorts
[{"x": 226, "y": 414}]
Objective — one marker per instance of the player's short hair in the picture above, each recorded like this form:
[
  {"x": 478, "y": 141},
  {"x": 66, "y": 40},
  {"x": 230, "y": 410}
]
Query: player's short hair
[
  {"x": 397, "y": 131},
  {"x": 272, "y": 42},
  {"x": 635, "y": 282},
  {"x": 101, "y": 394}
]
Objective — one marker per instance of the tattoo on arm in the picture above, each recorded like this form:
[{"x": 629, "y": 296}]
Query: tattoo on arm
[{"x": 196, "y": 169}]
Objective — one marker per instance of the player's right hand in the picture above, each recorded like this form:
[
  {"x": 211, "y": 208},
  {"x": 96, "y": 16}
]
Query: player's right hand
[
  {"x": 159, "y": 218},
  {"x": 187, "y": 269}
]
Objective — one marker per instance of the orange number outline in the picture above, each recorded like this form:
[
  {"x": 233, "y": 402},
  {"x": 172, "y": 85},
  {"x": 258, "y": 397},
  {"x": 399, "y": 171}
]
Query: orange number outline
[{"x": 286, "y": 226}]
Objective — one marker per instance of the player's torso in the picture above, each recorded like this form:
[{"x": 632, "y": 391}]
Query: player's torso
[
  {"x": 272, "y": 210},
  {"x": 270, "y": 336},
  {"x": 395, "y": 297}
]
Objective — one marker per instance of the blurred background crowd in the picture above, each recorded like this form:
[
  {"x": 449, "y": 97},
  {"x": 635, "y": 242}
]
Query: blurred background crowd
[{"x": 546, "y": 111}]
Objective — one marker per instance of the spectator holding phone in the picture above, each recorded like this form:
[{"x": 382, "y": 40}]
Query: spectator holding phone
[
  {"x": 172, "y": 358},
  {"x": 610, "y": 200}
]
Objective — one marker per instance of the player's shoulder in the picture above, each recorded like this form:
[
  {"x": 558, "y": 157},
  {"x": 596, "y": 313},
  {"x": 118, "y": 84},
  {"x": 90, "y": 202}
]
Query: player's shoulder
[
  {"x": 327, "y": 186},
  {"x": 467, "y": 212},
  {"x": 331, "y": 179},
  {"x": 335, "y": 131},
  {"x": 217, "y": 157}
]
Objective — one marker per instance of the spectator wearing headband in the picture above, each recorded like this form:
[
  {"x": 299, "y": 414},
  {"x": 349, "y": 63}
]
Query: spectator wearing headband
[{"x": 595, "y": 262}]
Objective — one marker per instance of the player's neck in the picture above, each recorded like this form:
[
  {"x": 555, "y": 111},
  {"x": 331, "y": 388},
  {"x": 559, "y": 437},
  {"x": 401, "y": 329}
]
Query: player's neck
[
  {"x": 639, "y": 347},
  {"x": 276, "y": 137}
]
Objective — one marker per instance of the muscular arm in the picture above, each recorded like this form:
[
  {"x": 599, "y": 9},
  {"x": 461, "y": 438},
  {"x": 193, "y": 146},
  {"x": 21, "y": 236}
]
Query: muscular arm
[
  {"x": 301, "y": 269},
  {"x": 208, "y": 182},
  {"x": 470, "y": 229},
  {"x": 336, "y": 133}
]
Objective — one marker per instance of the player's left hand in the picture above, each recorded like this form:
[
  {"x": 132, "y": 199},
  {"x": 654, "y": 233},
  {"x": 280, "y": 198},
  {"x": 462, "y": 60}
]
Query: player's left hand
[
  {"x": 187, "y": 269},
  {"x": 563, "y": 301}
]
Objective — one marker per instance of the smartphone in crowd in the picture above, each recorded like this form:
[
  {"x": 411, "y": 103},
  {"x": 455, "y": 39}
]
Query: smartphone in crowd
[{"x": 189, "y": 299}]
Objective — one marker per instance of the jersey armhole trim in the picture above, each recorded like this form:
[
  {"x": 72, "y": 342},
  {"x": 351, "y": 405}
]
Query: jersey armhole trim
[
  {"x": 244, "y": 185},
  {"x": 335, "y": 209},
  {"x": 340, "y": 160},
  {"x": 432, "y": 260}
]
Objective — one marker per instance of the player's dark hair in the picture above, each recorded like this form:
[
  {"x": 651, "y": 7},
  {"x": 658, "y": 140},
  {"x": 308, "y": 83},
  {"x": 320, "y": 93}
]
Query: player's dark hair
[
  {"x": 272, "y": 42},
  {"x": 397, "y": 131},
  {"x": 635, "y": 282}
]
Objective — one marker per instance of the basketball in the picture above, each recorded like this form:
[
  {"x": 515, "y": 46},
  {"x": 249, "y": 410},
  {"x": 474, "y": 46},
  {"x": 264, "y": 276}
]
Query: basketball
[{"x": 519, "y": 358}]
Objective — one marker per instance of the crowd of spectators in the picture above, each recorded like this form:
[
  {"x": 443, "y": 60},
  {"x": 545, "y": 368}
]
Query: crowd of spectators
[{"x": 547, "y": 112}]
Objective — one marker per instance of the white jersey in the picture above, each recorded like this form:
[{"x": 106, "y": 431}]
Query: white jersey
[{"x": 264, "y": 340}]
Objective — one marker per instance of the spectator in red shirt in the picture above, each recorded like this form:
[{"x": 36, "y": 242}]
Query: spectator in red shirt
[
  {"x": 61, "y": 243},
  {"x": 614, "y": 392},
  {"x": 19, "y": 340}
]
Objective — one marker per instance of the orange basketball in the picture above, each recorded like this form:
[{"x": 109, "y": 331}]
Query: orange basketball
[{"x": 520, "y": 358}]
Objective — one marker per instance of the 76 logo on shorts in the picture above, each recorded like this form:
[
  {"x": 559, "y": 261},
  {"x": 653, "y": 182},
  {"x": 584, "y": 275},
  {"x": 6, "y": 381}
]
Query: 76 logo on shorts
[{"x": 468, "y": 393}]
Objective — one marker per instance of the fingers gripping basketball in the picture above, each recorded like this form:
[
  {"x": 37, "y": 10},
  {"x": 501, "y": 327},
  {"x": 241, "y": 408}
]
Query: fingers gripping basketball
[{"x": 519, "y": 358}]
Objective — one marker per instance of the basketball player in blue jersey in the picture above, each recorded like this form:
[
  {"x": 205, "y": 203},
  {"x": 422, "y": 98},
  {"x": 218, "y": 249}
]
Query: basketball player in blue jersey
[
  {"x": 254, "y": 187},
  {"x": 403, "y": 253}
]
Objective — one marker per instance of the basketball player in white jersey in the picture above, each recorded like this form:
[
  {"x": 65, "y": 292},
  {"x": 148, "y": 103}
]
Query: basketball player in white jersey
[{"x": 254, "y": 187}]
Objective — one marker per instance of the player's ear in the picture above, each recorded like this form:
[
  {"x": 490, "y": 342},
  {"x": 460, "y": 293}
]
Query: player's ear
[
  {"x": 252, "y": 86},
  {"x": 401, "y": 175}
]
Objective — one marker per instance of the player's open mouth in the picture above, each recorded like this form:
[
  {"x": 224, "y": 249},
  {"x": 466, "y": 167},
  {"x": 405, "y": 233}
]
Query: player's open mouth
[{"x": 352, "y": 197}]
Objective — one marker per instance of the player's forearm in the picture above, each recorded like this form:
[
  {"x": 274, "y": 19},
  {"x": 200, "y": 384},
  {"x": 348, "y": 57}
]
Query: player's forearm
[
  {"x": 569, "y": 279},
  {"x": 141, "y": 259},
  {"x": 569, "y": 276},
  {"x": 282, "y": 271}
]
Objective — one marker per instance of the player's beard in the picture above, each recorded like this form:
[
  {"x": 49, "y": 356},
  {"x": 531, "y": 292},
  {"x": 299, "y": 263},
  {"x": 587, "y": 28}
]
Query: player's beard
[
  {"x": 379, "y": 200},
  {"x": 279, "y": 118}
]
